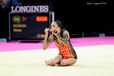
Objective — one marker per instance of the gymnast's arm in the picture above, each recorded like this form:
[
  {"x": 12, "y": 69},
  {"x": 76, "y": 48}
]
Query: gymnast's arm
[
  {"x": 63, "y": 39},
  {"x": 47, "y": 41}
]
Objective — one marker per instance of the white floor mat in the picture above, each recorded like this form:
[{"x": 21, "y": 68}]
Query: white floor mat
[{"x": 92, "y": 61}]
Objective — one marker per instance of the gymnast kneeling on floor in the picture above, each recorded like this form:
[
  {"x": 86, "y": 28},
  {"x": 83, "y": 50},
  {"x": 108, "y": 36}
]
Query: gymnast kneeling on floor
[{"x": 67, "y": 55}]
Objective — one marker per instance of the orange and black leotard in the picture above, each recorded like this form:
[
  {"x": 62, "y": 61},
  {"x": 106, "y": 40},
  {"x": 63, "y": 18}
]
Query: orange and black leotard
[{"x": 65, "y": 50}]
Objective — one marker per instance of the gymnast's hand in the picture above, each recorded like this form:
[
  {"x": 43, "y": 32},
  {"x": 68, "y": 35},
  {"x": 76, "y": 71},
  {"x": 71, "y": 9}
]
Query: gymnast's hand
[
  {"x": 46, "y": 31},
  {"x": 54, "y": 33}
]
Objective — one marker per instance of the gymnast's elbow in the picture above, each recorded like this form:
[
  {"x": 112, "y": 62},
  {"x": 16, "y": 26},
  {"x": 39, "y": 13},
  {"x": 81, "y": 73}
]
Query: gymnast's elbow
[{"x": 44, "y": 48}]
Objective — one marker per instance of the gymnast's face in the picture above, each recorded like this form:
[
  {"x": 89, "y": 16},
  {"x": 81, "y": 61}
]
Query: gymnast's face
[{"x": 54, "y": 26}]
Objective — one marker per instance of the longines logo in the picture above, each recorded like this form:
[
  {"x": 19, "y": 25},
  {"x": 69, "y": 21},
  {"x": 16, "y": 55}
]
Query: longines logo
[{"x": 29, "y": 9}]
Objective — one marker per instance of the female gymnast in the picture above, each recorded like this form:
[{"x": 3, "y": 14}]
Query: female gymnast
[{"x": 67, "y": 55}]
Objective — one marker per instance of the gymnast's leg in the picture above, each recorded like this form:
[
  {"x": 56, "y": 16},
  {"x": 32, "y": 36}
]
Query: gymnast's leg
[
  {"x": 54, "y": 61},
  {"x": 68, "y": 62}
]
